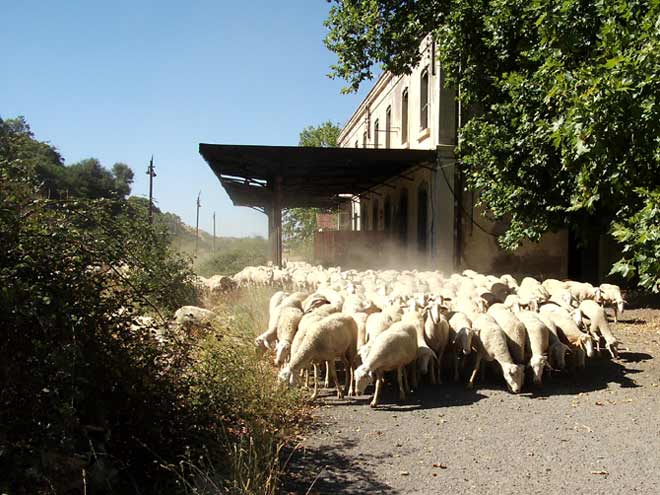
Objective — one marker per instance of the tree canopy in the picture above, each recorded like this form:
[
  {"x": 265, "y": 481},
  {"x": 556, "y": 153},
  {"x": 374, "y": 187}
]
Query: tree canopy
[
  {"x": 85, "y": 179},
  {"x": 566, "y": 126}
]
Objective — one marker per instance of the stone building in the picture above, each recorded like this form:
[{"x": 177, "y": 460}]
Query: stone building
[{"x": 428, "y": 221}]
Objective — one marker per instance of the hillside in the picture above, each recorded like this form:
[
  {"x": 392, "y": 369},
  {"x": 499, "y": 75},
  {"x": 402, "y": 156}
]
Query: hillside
[{"x": 226, "y": 256}]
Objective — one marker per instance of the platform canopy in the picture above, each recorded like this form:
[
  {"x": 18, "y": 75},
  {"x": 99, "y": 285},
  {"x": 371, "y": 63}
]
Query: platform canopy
[{"x": 308, "y": 176}]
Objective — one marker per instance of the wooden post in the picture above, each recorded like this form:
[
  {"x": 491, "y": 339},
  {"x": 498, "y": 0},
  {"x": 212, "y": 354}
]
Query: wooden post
[
  {"x": 151, "y": 173},
  {"x": 197, "y": 222},
  {"x": 277, "y": 221}
]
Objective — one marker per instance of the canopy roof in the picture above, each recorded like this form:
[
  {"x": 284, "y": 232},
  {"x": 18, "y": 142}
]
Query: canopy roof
[{"x": 311, "y": 176}]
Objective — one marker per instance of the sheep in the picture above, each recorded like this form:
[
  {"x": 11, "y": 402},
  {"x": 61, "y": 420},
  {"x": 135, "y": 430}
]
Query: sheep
[
  {"x": 569, "y": 331},
  {"x": 425, "y": 354},
  {"x": 193, "y": 315},
  {"x": 490, "y": 344},
  {"x": 532, "y": 293},
  {"x": 582, "y": 291},
  {"x": 331, "y": 338},
  {"x": 538, "y": 343},
  {"x": 376, "y": 324},
  {"x": 287, "y": 326},
  {"x": 513, "y": 329},
  {"x": 278, "y": 301},
  {"x": 557, "y": 350},
  {"x": 436, "y": 334},
  {"x": 460, "y": 338},
  {"x": 611, "y": 298},
  {"x": 391, "y": 350},
  {"x": 599, "y": 326}
]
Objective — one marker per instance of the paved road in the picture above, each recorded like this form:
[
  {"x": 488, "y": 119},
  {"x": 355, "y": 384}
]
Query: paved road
[{"x": 596, "y": 432}]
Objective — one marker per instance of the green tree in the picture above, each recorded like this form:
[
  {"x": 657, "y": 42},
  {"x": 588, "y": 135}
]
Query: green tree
[
  {"x": 566, "y": 129},
  {"x": 298, "y": 224}
]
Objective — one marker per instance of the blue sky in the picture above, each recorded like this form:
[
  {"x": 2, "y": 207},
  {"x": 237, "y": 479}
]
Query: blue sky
[{"x": 124, "y": 79}]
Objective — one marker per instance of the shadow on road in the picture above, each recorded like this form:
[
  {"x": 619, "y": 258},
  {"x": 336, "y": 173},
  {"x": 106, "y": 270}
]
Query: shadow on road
[{"x": 331, "y": 469}]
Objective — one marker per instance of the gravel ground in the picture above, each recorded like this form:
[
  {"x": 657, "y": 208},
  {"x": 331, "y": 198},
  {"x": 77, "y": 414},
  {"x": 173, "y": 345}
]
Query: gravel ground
[{"x": 594, "y": 432}]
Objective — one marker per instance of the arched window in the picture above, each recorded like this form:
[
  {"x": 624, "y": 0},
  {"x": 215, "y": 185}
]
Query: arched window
[
  {"x": 403, "y": 217},
  {"x": 422, "y": 216},
  {"x": 388, "y": 215},
  {"x": 404, "y": 116},
  {"x": 374, "y": 215},
  {"x": 376, "y": 125},
  {"x": 424, "y": 99},
  {"x": 388, "y": 125}
]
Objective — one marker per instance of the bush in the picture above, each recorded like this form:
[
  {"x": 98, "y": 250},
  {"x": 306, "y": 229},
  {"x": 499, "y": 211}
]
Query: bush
[
  {"x": 640, "y": 236},
  {"x": 79, "y": 387},
  {"x": 90, "y": 399}
]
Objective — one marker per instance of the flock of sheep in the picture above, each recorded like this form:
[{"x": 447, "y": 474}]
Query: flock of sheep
[{"x": 414, "y": 323}]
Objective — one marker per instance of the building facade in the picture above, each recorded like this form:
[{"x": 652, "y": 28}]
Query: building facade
[{"x": 426, "y": 215}]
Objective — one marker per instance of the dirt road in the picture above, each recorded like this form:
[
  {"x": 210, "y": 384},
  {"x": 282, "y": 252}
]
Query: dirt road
[{"x": 595, "y": 432}]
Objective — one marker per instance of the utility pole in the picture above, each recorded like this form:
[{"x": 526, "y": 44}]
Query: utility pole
[
  {"x": 151, "y": 173},
  {"x": 197, "y": 223},
  {"x": 213, "y": 231}
]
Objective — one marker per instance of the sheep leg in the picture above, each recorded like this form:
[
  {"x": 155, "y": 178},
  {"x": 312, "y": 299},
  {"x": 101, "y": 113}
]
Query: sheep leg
[
  {"x": 379, "y": 384},
  {"x": 333, "y": 371},
  {"x": 316, "y": 385},
  {"x": 413, "y": 378},
  {"x": 327, "y": 375},
  {"x": 433, "y": 371},
  {"x": 441, "y": 353},
  {"x": 405, "y": 379},
  {"x": 348, "y": 382},
  {"x": 399, "y": 376},
  {"x": 474, "y": 372}
]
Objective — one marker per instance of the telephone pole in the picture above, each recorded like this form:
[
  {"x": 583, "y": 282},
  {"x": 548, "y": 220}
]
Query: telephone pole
[
  {"x": 151, "y": 173},
  {"x": 197, "y": 222},
  {"x": 213, "y": 231}
]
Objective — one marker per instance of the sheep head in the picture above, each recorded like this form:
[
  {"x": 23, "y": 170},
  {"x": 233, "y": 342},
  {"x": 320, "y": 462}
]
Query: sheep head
[
  {"x": 363, "y": 377},
  {"x": 514, "y": 375},
  {"x": 287, "y": 376},
  {"x": 620, "y": 305},
  {"x": 282, "y": 352},
  {"x": 587, "y": 343},
  {"x": 463, "y": 340},
  {"x": 538, "y": 364}
]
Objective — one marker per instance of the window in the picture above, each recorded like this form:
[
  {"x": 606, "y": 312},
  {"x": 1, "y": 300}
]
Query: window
[
  {"x": 363, "y": 215},
  {"x": 403, "y": 217},
  {"x": 422, "y": 216},
  {"x": 376, "y": 133},
  {"x": 404, "y": 116},
  {"x": 388, "y": 215},
  {"x": 364, "y": 139},
  {"x": 357, "y": 144},
  {"x": 424, "y": 100},
  {"x": 388, "y": 126}
]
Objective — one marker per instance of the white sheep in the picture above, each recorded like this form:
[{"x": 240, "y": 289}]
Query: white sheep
[
  {"x": 611, "y": 298},
  {"x": 490, "y": 344},
  {"x": 391, "y": 350},
  {"x": 599, "y": 326},
  {"x": 569, "y": 333},
  {"x": 436, "y": 334},
  {"x": 331, "y": 338},
  {"x": 287, "y": 326},
  {"x": 513, "y": 329},
  {"x": 538, "y": 343}
]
